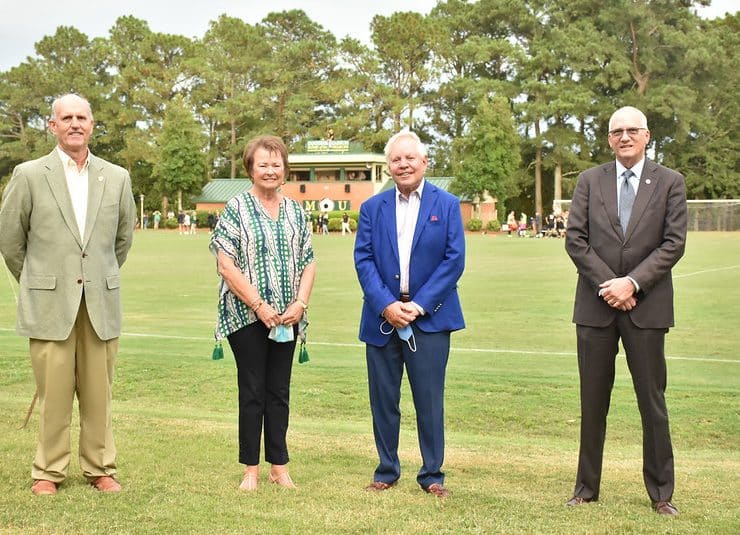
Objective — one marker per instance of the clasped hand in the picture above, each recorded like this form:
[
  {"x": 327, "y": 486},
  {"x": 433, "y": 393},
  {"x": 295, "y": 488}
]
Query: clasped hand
[
  {"x": 270, "y": 317},
  {"x": 619, "y": 293},
  {"x": 400, "y": 314}
]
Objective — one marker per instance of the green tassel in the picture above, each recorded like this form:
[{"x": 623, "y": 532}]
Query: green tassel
[
  {"x": 218, "y": 352},
  {"x": 303, "y": 355}
]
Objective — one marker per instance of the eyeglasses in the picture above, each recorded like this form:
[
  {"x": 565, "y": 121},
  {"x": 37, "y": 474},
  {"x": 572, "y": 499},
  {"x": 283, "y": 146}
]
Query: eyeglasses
[{"x": 619, "y": 132}]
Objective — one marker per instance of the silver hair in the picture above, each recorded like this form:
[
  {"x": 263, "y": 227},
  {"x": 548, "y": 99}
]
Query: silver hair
[
  {"x": 404, "y": 133},
  {"x": 62, "y": 97},
  {"x": 631, "y": 109}
]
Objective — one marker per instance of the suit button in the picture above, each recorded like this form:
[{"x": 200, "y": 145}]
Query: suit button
[
  {"x": 397, "y": 277},
  {"x": 79, "y": 281},
  {"x": 84, "y": 255}
]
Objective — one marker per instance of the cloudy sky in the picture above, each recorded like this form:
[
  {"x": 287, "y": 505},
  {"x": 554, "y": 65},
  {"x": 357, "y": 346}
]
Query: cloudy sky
[{"x": 24, "y": 22}]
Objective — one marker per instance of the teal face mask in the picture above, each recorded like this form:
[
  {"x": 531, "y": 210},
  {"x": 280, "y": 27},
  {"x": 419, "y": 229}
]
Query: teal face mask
[
  {"x": 281, "y": 333},
  {"x": 404, "y": 333}
]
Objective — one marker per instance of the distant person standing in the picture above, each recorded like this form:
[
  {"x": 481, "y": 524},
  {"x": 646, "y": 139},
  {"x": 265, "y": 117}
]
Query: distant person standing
[
  {"x": 345, "y": 224},
  {"x": 157, "y": 215},
  {"x": 511, "y": 223},
  {"x": 193, "y": 222},
  {"x": 180, "y": 222},
  {"x": 626, "y": 231},
  {"x": 66, "y": 226}
]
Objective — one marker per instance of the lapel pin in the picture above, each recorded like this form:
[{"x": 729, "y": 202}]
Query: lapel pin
[
  {"x": 647, "y": 181},
  {"x": 433, "y": 218}
]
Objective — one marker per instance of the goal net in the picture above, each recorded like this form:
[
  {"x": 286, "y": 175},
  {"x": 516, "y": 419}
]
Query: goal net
[{"x": 719, "y": 214}]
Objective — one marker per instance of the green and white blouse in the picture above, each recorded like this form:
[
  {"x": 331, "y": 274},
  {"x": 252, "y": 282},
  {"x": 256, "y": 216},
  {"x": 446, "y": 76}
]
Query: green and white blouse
[{"x": 271, "y": 254}]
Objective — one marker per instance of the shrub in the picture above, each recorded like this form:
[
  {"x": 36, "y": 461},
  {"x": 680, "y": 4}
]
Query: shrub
[
  {"x": 494, "y": 225},
  {"x": 475, "y": 224},
  {"x": 169, "y": 223}
]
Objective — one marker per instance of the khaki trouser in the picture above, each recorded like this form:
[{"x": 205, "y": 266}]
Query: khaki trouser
[{"x": 82, "y": 365}]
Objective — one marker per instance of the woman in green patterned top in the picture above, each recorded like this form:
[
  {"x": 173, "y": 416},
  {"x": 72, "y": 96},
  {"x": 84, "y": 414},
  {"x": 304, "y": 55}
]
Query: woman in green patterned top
[{"x": 265, "y": 259}]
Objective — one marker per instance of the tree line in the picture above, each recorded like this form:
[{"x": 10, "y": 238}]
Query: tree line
[{"x": 512, "y": 96}]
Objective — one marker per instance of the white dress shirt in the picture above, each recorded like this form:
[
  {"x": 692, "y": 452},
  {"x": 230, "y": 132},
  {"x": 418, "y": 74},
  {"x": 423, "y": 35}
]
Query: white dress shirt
[
  {"x": 635, "y": 183},
  {"x": 77, "y": 186},
  {"x": 407, "y": 213}
]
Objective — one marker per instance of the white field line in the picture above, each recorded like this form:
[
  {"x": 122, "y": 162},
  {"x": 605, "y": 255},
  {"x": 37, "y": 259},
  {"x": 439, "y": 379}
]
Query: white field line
[
  {"x": 684, "y": 275},
  {"x": 455, "y": 349}
]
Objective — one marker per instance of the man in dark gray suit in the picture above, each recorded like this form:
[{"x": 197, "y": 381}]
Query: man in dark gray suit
[
  {"x": 626, "y": 230},
  {"x": 66, "y": 225}
]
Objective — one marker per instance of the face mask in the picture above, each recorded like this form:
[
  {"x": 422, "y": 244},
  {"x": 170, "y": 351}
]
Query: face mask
[
  {"x": 281, "y": 333},
  {"x": 404, "y": 333}
]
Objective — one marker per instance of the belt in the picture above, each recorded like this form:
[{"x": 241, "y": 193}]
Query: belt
[{"x": 404, "y": 298}]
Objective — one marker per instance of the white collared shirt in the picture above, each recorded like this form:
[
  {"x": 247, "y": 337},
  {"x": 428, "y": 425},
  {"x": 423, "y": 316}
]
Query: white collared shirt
[
  {"x": 77, "y": 186},
  {"x": 407, "y": 213}
]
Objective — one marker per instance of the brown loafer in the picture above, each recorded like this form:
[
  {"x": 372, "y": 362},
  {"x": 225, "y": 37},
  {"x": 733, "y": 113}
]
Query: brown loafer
[
  {"x": 438, "y": 490},
  {"x": 577, "y": 500},
  {"x": 665, "y": 508},
  {"x": 380, "y": 486},
  {"x": 43, "y": 487},
  {"x": 106, "y": 484}
]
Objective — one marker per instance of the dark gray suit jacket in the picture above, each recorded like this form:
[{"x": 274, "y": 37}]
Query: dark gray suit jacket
[{"x": 653, "y": 243}]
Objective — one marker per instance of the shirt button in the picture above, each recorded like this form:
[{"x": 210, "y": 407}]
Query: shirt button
[{"x": 79, "y": 281}]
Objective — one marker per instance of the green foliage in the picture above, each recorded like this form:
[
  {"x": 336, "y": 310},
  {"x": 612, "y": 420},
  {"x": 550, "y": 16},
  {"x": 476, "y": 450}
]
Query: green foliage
[
  {"x": 546, "y": 74},
  {"x": 488, "y": 155},
  {"x": 474, "y": 224},
  {"x": 180, "y": 165},
  {"x": 494, "y": 225}
]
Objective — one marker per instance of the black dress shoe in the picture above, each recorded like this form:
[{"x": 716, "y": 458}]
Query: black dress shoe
[
  {"x": 665, "y": 508},
  {"x": 577, "y": 500}
]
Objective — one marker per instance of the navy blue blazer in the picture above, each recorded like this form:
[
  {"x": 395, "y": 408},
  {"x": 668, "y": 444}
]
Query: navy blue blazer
[{"x": 437, "y": 262}]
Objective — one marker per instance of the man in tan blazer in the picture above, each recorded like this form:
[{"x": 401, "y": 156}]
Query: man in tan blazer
[
  {"x": 626, "y": 231},
  {"x": 66, "y": 225}
]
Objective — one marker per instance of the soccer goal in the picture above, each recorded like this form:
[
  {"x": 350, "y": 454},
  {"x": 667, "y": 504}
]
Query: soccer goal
[{"x": 719, "y": 214}]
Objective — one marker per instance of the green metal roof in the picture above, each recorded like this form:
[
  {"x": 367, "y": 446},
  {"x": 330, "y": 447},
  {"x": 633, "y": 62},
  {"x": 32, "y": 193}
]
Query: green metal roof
[
  {"x": 223, "y": 189},
  {"x": 442, "y": 182}
]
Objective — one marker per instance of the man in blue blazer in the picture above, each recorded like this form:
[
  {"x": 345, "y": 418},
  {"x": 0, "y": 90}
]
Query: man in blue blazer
[{"x": 409, "y": 255}]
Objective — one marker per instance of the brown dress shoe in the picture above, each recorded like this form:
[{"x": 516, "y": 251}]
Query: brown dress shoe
[
  {"x": 577, "y": 500},
  {"x": 380, "y": 485},
  {"x": 438, "y": 490},
  {"x": 106, "y": 484},
  {"x": 665, "y": 508},
  {"x": 42, "y": 487}
]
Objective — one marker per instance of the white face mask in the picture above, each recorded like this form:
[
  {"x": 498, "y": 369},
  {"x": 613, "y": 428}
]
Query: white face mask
[
  {"x": 404, "y": 333},
  {"x": 281, "y": 333}
]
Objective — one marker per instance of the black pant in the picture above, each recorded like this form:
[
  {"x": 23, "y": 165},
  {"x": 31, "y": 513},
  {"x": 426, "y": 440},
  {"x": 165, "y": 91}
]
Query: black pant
[
  {"x": 597, "y": 350},
  {"x": 263, "y": 375}
]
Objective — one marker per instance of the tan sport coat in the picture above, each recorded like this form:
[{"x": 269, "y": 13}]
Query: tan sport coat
[
  {"x": 652, "y": 244},
  {"x": 44, "y": 251}
]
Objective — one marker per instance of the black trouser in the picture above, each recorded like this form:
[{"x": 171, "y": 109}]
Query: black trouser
[
  {"x": 597, "y": 349},
  {"x": 263, "y": 375}
]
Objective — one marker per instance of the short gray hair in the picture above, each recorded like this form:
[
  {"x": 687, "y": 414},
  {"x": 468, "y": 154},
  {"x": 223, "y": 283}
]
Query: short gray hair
[
  {"x": 404, "y": 133},
  {"x": 62, "y": 97},
  {"x": 633, "y": 110}
]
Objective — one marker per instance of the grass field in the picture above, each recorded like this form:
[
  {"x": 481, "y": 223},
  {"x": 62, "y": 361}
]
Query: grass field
[{"x": 511, "y": 408}]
